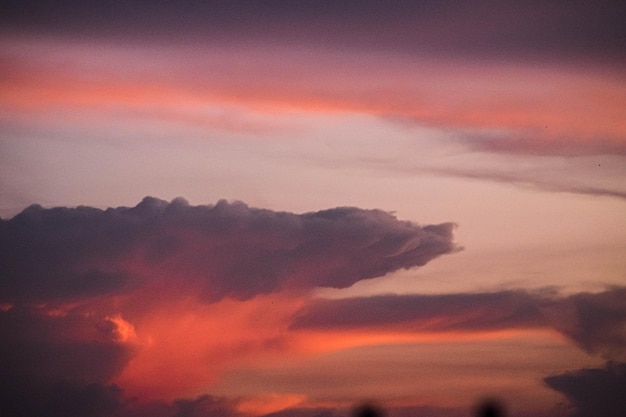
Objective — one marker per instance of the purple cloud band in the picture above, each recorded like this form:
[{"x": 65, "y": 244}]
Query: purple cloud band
[{"x": 594, "y": 321}]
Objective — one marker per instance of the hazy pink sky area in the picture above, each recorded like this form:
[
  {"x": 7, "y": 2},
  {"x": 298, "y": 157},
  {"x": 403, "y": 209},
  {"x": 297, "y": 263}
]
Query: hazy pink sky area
[{"x": 274, "y": 208}]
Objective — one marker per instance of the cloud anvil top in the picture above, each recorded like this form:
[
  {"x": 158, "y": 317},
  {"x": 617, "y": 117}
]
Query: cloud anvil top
[{"x": 225, "y": 250}]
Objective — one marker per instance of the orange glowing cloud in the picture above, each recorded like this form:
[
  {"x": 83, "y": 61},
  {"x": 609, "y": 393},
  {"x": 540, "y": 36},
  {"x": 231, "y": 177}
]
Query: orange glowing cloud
[
  {"x": 542, "y": 108},
  {"x": 185, "y": 345},
  {"x": 269, "y": 403}
]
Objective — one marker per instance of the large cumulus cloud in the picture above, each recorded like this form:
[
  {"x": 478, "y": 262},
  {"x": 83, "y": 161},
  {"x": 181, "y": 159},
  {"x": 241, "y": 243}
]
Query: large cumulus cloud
[
  {"x": 482, "y": 28},
  {"x": 71, "y": 278},
  {"x": 227, "y": 249}
]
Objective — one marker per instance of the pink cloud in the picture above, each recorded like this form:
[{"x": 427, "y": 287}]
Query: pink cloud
[{"x": 547, "y": 109}]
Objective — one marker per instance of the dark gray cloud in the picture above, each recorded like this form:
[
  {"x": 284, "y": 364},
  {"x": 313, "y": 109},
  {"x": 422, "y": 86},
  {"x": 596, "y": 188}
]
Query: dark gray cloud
[
  {"x": 561, "y": 29},
  {"x": 72, "y": 398},
  {"x": 593, "y": 392},
  {"x": 204, "y": 405},
  {"x": 228, "y": 249},
  {"x": 58, "y": 364},
  {"x": 488, "y": 311},
  {"x": 45, "y": 345},
  {"x": 596, "y": 322},
  {"x": 27, "y": 398}
]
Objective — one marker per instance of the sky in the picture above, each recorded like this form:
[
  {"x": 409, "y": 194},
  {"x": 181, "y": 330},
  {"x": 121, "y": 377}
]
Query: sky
[{"x": 287, "y": 209}]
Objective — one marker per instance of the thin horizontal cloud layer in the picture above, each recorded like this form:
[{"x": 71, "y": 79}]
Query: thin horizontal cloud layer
[
  {"x": 225, "y": 250},
  {"x": 595, "y": 322},
  {"x": 488, "y": 311},
  {"x": 449, "y": 64},
  {"x": 576, "y": 29},
  {"x": 566, "y": 179},
  {"x": 548, "y": 109}
]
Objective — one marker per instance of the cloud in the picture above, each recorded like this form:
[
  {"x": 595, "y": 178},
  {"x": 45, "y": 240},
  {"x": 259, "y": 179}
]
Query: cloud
[
  {"x": 580, "y": 166},
  {"x": 79, "y": 399},
  {"x": 104, "y": 306},
  {"x": 479, "y": 28},
  {"x": 555, "y": 181},
  {"x": 57, "y": 364},
  {"x": 580, "y": 140},
  {"x": 594, "y": 322},
  {"x": 225, "y": 250},
  {"x": 140, "y": 297},
  {"x": 593, "y": 392},
  {"x": 546, "y": 109},
  {"x": 204, "y": 405},
  {"x": 63, "y": 398},
  {"x": 47, "y": 345},
  {"x": 543, "y": 110},
  {"x": 597, "y": 322},
  {"x": 468, "y": 312}
]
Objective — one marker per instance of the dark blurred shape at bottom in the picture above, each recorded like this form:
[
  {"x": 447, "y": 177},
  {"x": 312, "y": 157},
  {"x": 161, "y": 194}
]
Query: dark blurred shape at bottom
[
  {"x": 490, "y": 408},
  {"x": 367, "y": 410}
]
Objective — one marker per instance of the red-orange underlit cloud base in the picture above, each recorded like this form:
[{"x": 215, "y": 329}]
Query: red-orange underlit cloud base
[
  {"x": 185, "y": 345},
  {"x": 160, "y": 301}
]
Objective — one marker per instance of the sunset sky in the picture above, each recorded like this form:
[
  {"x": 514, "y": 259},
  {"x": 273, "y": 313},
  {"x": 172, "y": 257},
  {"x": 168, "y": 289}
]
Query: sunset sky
[{"x": 287, "y": 208}]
